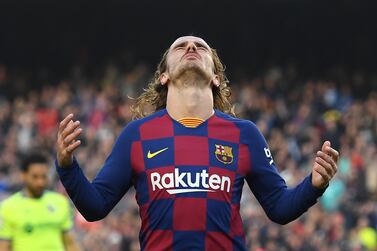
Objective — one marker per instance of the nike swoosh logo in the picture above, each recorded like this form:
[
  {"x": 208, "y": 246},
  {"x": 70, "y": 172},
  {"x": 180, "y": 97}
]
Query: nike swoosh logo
[{"x": 151, "y": 155}]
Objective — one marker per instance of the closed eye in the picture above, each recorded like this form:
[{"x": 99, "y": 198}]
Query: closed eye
[
  {"x": 201, "y": 46},
  {"x": 180, "y": 46}
]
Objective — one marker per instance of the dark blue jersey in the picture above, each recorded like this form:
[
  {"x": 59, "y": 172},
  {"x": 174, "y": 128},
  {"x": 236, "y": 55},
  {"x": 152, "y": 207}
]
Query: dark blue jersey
[{"x": 189, "y": 182}]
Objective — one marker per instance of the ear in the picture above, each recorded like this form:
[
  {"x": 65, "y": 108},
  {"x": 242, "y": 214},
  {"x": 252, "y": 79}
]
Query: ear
[
  {"x": 164, "y": 78},
  {"x": 216, "y": 81},
  {"x": 23, "y": 176}
]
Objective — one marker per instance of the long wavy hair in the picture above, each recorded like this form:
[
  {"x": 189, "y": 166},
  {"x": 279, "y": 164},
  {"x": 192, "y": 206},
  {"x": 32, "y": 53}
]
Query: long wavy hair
[{"x": 154, "y": 96}]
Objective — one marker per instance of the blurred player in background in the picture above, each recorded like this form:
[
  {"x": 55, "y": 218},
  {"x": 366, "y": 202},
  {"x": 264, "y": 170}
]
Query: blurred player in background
[
  {"x": 35, "y": 219},
  {"x": 188, "y": 160}
]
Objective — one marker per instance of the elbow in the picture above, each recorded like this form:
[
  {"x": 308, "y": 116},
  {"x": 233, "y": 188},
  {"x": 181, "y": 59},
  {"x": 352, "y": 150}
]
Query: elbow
[
  {"x": 92, "y": 214},
  {"x": 280, "y": 218},
  {"x": 93, "y": 217}
]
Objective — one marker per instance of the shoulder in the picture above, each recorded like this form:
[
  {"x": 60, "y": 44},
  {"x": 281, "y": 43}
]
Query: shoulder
[
  {"x": 155, "y": 115},
  {"x": 11, "y": 202},
  {"x": 132, "y": 129},
  {"x": 247, "y": 128},
  {"x": 56, "y": 202},
  {"x": 238, "y": 121},
  {"x": 55, "y": 197}
]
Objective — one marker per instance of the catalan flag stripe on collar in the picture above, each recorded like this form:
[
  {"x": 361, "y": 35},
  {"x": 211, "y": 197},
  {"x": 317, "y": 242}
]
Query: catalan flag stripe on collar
[{"x": 191, "y": 122}]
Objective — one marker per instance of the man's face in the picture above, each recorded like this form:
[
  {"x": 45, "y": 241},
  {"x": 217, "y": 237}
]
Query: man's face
[
  {"x": 36, "y": 178},
  {"x": 190, "y": 53}
]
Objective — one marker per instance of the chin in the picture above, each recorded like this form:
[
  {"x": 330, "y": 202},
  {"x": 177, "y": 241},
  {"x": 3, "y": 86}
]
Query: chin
[
  {"x": 191, "y": 68},
  {"x": 37, "y": 194}
]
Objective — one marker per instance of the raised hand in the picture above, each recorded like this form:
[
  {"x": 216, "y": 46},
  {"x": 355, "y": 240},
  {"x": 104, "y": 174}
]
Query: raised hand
[
  {"x": 325, "y": 165},
  {"x": 67, "y": 141}
]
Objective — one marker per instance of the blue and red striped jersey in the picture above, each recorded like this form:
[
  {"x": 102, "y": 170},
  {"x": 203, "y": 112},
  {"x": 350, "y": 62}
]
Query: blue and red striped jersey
[{"x": 189, "y": 182}]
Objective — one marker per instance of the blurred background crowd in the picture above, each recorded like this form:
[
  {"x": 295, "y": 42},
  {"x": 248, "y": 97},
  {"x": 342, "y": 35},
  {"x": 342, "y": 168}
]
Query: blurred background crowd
[
  {"x": 296, "y": 114},
  {"x": 303, "y": 71}
]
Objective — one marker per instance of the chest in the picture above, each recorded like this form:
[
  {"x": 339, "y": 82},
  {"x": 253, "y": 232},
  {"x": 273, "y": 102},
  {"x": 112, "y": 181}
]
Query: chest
[
  {"x": 31, "y": 216},
  {"x": 189, "y": 151},
  {"x": 190, "y": 166}
]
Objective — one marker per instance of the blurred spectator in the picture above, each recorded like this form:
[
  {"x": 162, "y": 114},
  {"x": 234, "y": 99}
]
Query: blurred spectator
[
  {"x": 294, "y": 113},
  {"x": 35, "y": 218}
]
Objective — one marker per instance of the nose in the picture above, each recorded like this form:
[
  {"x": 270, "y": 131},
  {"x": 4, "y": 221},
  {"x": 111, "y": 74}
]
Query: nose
[
  {"x": 41, "y": 182},
  {"x": 191, "y": 47}
]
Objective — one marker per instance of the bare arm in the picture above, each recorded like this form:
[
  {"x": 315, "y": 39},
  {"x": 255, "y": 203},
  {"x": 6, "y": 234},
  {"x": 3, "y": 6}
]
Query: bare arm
[
  {"x": 70, "y": 243},
  {"x": 5, "y": 245}
]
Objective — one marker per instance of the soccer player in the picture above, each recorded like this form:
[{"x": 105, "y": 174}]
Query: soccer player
[
  {"x": 188, "y": 161},
  {"x": 35, "y": 219}
]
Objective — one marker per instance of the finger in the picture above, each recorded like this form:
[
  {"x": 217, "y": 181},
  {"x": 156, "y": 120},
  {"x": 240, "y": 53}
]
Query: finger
[
  {"x": 67, "y": 129},
  {"x": 65, "y": 121},
  {"x": 326, "y": 165},
  {"x": 325, "y": 144},
  {"x": 329, "y": 159},
  {"x": 70, "y": 137},
  {"x": 321, "y": 170},
  {"x": 73, "y": 146},
  {"x": 63, "y": 132},
  {"x": 70, "y": 128},
  {"x": 60, "y": 133},
  {"x": 333, "y": 153}
]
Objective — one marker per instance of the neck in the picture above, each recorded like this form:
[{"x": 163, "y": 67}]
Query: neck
[
  {"x": 189, "y": 100},
  {"x": 29, "y": 194}
]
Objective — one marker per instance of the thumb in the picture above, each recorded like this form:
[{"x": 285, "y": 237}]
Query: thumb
[{"x": 326, "y": 143}]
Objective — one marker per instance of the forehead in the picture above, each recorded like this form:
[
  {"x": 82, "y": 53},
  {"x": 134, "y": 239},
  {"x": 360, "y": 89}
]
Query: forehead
[
  {"x": 40, "y": 168},
  {"x": 189, "y": 39}
]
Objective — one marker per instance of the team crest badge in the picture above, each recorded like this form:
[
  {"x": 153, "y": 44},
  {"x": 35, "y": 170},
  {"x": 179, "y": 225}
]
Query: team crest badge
[
  {"x": 224, "y": 154},
  {"x": 51, "y": 208}
]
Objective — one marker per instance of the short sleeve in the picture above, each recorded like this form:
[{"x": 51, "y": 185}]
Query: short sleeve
[
  {"x": 67, "y": 222},
  {"x": 6, "y": 229}
]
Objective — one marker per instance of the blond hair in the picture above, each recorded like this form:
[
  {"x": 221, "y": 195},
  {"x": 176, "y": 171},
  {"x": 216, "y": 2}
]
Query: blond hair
[{"x": 154, "y": 96}]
